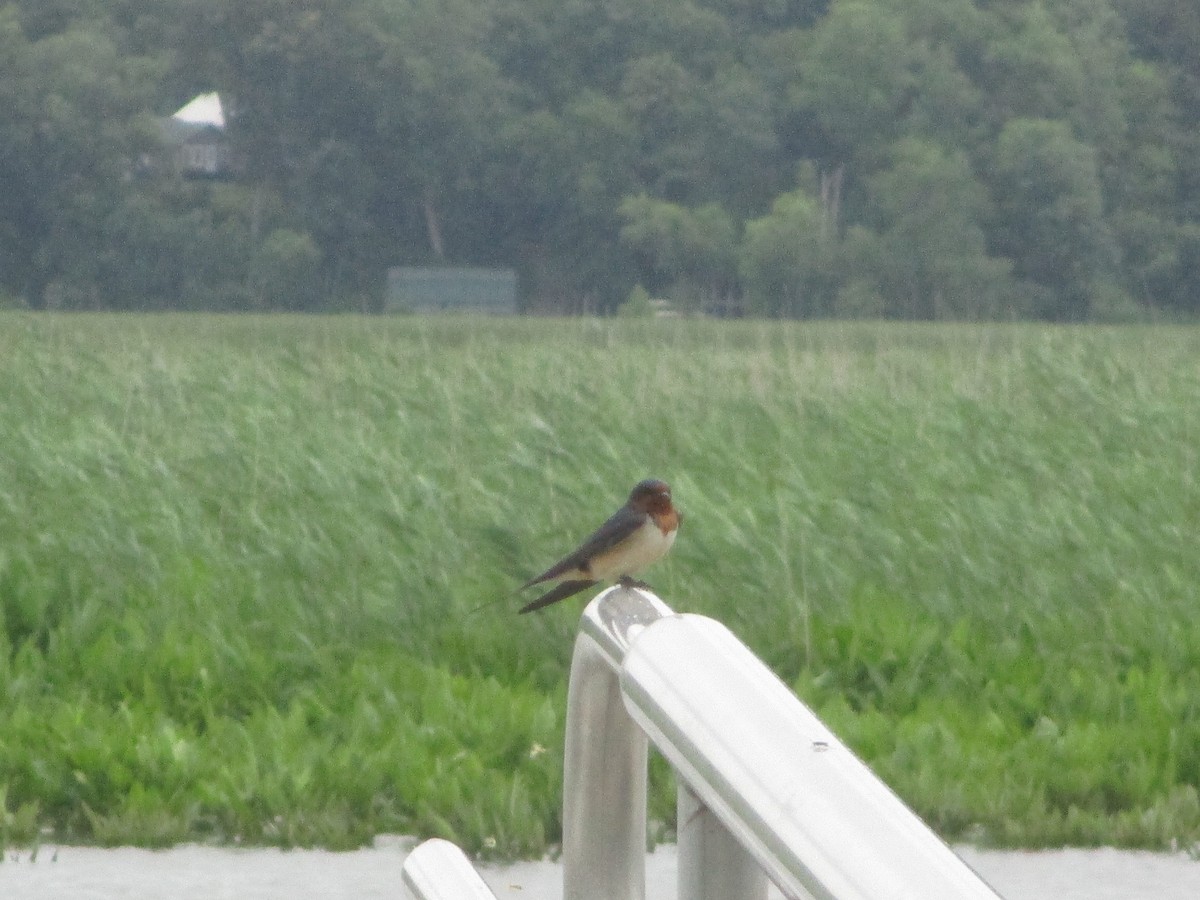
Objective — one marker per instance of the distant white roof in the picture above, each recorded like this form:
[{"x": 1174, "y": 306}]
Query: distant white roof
[{"x": 202, "y": 110}]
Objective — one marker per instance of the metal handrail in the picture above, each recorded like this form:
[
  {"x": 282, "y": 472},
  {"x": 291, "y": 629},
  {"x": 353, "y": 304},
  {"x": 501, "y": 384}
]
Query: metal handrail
[{"x": 766, "y": 791}]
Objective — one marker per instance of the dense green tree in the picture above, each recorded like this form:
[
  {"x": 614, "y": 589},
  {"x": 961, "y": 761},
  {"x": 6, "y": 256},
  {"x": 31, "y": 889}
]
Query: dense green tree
[
  {"x": 284, "y": 271},
  {"x": 789, "y": 259},
  {"x": 930, "y": 261},
  {"x": 764, "y": 16},
  {"x": 857, "y": 79},
  {"x": 74, "y": 128},
  {"x": 700, "y": 139},
  {"x": 744, "y": 166},
  {"x": 1050, "y": 218},
  {"x": 42, "y": 18},
  {"x": 165, "y": 251},
  {"x": 692, "y": 251},
  {"x": 873, "y": 72},
  {"x": 1031, "y": 68},
  {"x": 564, "y": 176},
  {"x": 1161, "y": 237}
]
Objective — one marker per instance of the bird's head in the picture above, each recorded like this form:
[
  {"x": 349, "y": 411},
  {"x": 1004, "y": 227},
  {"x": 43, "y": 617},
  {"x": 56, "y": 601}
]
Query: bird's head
[{"x": 651, "y": 496}]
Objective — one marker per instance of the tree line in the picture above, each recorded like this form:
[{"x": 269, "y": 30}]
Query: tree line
[{"x": 924, "y": 159}]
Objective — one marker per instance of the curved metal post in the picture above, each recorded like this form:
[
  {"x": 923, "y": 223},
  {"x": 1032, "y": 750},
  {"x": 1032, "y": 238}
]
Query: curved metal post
[
  {"x": 712, "y": 864},
  {"x": 604, "y": 769}
]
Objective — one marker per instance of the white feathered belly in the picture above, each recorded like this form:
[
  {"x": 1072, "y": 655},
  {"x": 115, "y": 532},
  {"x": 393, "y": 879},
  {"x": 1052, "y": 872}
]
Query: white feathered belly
[{"x": 645, "y": 546}]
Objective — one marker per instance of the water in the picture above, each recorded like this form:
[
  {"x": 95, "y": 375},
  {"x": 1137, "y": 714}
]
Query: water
[{"x": 210, "y": 873}]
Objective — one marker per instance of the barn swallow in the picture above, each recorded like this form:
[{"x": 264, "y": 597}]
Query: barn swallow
[{"x": 636, "y": 535}]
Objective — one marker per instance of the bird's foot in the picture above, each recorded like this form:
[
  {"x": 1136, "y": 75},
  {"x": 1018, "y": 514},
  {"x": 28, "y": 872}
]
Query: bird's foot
[{"x": 626, "y": 582}]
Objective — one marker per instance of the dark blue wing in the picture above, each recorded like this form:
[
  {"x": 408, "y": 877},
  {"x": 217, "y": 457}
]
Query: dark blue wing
[{"x": 624, "y": 522}]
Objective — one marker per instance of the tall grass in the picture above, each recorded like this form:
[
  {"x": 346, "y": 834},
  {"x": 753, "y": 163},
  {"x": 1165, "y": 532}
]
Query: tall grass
[{"x": 238, "y": 558}]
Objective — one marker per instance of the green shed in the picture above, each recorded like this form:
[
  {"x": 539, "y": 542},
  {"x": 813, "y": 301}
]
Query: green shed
[{"x": 431, "y": 289}]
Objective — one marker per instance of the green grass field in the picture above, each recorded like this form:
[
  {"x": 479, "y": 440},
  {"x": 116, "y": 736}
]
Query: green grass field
[{"x": 237, "y": 557}]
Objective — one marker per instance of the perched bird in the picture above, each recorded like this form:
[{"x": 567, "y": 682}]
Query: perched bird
[{"x": 636, "y": 535}]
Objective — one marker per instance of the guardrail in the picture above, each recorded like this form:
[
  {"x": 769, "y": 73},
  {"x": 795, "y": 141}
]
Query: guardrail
[{"x": 766, "y": 791}]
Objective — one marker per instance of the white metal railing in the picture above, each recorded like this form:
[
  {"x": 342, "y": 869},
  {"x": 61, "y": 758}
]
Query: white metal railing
[{"x": 766, "y": 791}]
